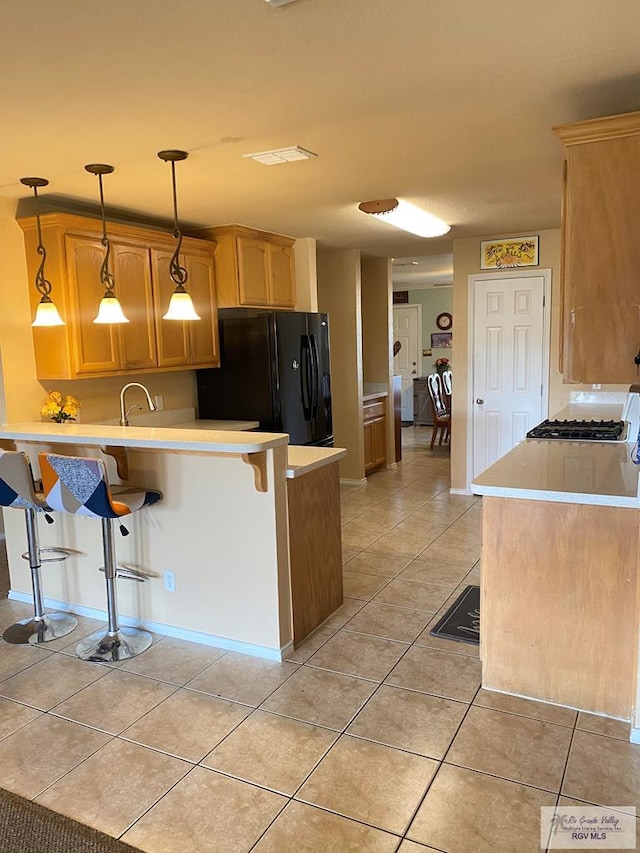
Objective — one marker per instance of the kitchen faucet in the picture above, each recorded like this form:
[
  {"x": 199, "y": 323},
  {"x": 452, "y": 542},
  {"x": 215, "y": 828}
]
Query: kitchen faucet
[{"x": 124, "y": 415}]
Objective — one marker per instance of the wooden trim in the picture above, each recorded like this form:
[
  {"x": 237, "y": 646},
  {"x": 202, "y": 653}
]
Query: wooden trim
[
  {"x": 558, "y": 603},
  {"x": 242, "y": 231},
  {"x": 598, "y": 129},
  {"x": 315, "y": 547},
  {"x": 122, "y": 461},
  {"x": 258, "y": 462}
]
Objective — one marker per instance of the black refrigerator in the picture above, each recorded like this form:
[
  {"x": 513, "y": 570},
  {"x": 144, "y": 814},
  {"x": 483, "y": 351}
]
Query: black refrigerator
[{"x": 274, "y": 368}]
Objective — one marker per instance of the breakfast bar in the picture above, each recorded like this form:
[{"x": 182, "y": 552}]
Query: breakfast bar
[
  {"x": 560, "y": 574},
  {"x": 222, "y": 529}
]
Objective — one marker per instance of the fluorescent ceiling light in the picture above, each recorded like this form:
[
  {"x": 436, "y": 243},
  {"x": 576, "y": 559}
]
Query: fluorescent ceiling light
[
  {"x": 408, "y": 217},
  {"x": 281, "y": 155}
]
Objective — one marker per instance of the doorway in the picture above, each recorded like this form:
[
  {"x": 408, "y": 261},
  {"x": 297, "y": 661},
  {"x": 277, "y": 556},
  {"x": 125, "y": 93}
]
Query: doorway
[
  {"x": 509, "y": 328},
  {"x": 407, "y": 330}
]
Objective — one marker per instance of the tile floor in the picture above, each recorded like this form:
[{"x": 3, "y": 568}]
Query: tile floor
[{"x": 373, "y": 736}]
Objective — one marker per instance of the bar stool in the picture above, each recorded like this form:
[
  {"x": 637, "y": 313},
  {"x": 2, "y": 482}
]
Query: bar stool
[
  {"x": 79, "y": 485},
  {"x": 18, "y": 490}
]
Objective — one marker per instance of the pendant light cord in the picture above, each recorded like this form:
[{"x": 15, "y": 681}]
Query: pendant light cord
[
  {"x": 42, "y": 285},
  {"x": 105, "y": 276},
  {"x": 177, "y": 273}
]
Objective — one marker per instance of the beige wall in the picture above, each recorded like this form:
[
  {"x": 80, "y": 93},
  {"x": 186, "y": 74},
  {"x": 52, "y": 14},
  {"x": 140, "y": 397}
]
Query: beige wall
[
  {"x": 339, "y": 295},
  {"x": 304, "y": 252},
  {"x": 21, "y": 395},
  {"x": 466, "y": 262}
]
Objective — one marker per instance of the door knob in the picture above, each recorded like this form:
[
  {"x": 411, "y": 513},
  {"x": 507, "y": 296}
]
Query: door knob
[
  {"x": 414, "y": 371},
  {"x": 479, "y": 401}
]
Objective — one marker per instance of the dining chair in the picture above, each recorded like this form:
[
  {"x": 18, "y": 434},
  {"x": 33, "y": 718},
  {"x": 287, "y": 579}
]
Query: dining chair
[{"x": 441, "y": 415}]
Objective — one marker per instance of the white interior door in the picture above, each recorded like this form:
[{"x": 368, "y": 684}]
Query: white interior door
[
  {"x": 510, "y": 362},
  {"x": 407, "y": 328}
]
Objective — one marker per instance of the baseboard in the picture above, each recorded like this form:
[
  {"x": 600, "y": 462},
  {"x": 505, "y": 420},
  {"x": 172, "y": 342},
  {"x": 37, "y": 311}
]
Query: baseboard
[
  {"x": 635, "y": 736},
  {"x": 166, "y": 630},
  {"x": 460, "y": 491},
  {"x": 344, "y": 482}
]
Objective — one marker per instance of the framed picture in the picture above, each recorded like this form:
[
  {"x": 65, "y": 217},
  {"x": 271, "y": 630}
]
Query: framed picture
[
  {"x": 509, "y": 253},
  {"x": 440, "y": 340}
]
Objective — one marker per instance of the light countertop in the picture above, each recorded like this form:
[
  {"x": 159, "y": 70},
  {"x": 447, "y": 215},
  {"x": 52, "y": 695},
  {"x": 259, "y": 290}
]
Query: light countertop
[
  {"x": 301, "y": 460},
  {"x": 193, "y": 436},
  {"x": 585, "y": 472},
  {"x": 190, "y": 437}
]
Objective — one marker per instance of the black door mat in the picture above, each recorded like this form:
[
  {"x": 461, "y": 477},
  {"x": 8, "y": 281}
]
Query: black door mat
[{"x": 462, "y": 620}]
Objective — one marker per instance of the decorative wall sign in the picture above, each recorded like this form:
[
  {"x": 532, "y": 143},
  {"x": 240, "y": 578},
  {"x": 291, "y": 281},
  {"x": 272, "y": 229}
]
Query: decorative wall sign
[
  {"x": 444, "y": 321},
  {"x": 400, "y": 297},
  {"x": 440, "y": 340},
  {"x": 509, "y": 253}
]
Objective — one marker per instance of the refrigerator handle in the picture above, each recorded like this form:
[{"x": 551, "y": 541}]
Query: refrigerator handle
[
  {"x": 305, "y": 376},
  {"x": 315, "y": 367}
]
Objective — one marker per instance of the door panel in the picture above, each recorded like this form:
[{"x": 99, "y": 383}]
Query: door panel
[
  {"x": 203, "y": 333},
  {"x": 281, "y": 276},
  {"x": 95, "y": 345},
  {"x": 171, "y": 335},
  {"x": 252, "y": 271},
  {"x": 133, "y": 286},
  {"x": 508, "y": 365},
  {"x": 406, "y": 329}
]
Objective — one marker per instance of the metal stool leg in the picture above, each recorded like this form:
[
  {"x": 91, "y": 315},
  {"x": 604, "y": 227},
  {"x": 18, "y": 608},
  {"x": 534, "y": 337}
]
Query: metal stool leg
[
  {"x": 41, "y": 627},
  {"x": 118, "y": 643}
]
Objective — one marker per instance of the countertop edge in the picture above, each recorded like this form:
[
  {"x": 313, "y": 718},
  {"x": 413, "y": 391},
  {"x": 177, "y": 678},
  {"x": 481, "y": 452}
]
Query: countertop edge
[
  {"x": 311, "y": 458},
  {"x": 555, "y": 497}
]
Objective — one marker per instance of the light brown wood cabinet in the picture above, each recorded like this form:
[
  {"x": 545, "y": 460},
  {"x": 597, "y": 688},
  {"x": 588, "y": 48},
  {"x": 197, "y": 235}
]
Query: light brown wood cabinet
[
  {"x": 253, "y": 268},
  {"x": 140, "y": 266},
  {"x": 601, "y": 250},
  {"x": 375, "y": 433}
]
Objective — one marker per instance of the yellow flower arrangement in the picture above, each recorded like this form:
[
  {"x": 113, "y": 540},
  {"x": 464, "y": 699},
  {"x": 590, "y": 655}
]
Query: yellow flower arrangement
[{"x": 59, "y": 409}]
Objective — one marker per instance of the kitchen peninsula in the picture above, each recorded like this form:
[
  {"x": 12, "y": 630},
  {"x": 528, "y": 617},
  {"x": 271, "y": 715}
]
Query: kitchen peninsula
[
  {"x": 222, "y": 528},
  {"x": 560, "y": 574}
]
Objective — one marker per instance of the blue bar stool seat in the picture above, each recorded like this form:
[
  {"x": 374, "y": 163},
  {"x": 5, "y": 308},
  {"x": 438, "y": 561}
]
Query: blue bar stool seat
[
  {"x": 79, "y": 485},
  {"x": 18, "y": 490}
]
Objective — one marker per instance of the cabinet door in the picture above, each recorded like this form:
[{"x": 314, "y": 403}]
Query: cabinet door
[
  {"x": 203, "y": 333},
  {"x": 369, "y": 451},
  {"x": 132, "y": 274},
  {"x": 602, "y": 261},
  {"x": 380, "y": 442},
  {"x": 253, "y": 271},
  {"x": 281, "y": 277},
  {"x": 172, "y": 337},
  {"x": 95, "y": 346}
]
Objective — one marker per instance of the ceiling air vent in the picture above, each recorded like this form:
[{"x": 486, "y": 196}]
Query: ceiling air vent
[{"x": 281, "y": 155}]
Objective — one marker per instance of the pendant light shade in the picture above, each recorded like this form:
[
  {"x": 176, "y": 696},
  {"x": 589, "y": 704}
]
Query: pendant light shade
[
  {"x": 46, "y": 312},
  {"x": 180, "y": 306},
  {"x": 109, "y": 310}
]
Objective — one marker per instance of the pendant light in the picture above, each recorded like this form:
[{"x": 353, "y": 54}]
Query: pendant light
[
  {"x": 180, "y": 306},
  {"x": 109, "y": 310},
  {"x": 46, "y": 312}
]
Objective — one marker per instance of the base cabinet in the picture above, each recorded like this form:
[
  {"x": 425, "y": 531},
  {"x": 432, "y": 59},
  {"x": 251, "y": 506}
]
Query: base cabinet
[
  {"x": 315, "y": 548},
  {"x": 375, "y": 434},
  {"x": 253, "y": 268},
  {"x": 140, "y": 266}
]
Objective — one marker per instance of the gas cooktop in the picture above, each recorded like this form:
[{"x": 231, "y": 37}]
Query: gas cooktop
[{"x": 579, "y": 430}]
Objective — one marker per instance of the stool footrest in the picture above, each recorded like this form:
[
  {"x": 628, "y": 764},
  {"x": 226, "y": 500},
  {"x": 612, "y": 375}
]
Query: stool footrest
[
  {"x": 60, "y": 554},
  {"x": 127, "y": 574}
]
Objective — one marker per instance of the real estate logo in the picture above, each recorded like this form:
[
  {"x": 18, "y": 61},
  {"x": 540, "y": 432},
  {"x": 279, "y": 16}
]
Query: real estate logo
[{"x": 565, "y": 827}]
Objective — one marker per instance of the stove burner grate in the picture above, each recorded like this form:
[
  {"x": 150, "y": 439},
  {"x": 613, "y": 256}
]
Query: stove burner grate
[{"x": 579, "y": 430}]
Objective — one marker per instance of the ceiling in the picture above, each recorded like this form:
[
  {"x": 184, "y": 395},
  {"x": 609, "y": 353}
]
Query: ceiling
[{"x": 446, "y": 104}]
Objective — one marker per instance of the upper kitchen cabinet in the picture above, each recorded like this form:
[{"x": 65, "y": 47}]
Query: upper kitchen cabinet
[
  {"x": 139, "y": 263},
  {"x": 601, "y": 250},
  {"x": 193, "y": 343},
  {"x": 253, "y": 268}
]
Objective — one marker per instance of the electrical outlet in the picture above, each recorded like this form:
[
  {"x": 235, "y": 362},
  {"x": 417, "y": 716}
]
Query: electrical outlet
[
  {"x": 159, "y": 401},
  {"x": 170, "y": 581},
  {"x": 596, "y": 387}
]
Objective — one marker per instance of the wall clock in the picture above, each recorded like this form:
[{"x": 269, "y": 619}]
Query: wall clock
[{"x": 444, "y": 321}]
